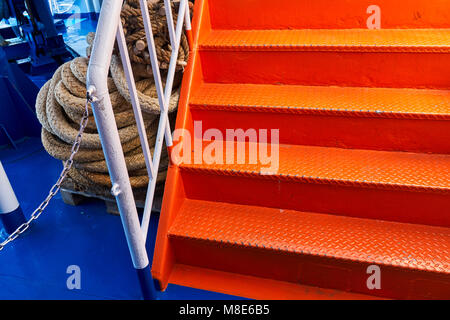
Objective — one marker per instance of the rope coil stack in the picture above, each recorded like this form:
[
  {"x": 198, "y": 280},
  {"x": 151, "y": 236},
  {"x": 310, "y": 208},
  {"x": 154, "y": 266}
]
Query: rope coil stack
[
  {"x": 133, "y": 25},
  {"x": 61, "y": 102}
]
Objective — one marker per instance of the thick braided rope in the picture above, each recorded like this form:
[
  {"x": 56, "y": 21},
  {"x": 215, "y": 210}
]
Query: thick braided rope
[
  {"x": 80, "y": 65},
  {"x": 89, "y": 161},
  {"x": 67, "y": 131},
  {"x": 132, "y": 22},
  {"x": 41, "y": 101},
  {"x": 138, "y": 178},
  {"x": 61, "y": 150},
  {"x": 148, "y": 102},
  {"x": 72, "y": 106},
  {"x": 61, "y": 102}
]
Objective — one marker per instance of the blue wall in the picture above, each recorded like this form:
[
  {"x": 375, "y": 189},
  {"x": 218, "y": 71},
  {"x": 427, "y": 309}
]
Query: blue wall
[{"x": 17, "y": 103}]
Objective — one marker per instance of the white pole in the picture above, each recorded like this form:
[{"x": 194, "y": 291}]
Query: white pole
[
  {"x": 162, "y": 120},
  {"x": 104, "y": 117},
  {"x": 135, "y": 101},
  {"x": 155, "y": 66},
  {"x": 188, "y": 27},
  {"x": 11, "y": 214},
  {"x": 169, "y": 18},
  {"x": 8, "y": 200}
]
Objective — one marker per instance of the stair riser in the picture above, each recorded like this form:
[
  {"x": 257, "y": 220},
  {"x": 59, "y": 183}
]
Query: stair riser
[
  {"x": 323, "y": 14},
  {"x": 403, "y": 134},
  {"x": 310, "y": 270},
  {"x": 348, "y": 200},
  {"x": 394, "y": 70}
]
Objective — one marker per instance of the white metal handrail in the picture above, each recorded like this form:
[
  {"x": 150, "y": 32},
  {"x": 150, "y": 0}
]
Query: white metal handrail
[{"x": 110, "y": 29}]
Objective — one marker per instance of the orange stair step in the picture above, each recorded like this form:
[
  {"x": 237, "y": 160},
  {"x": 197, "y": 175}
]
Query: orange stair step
[
  {"x": 263, "y": 14},
  {"x": 394, "y": 58},
  {"x": 365, "y": 168},
  {"x": 349, "y": 101},
  {"x": 311, "y": 241},
  {"x": 348, "y": 117},
  {"x": 354, "y": 40},
  {"x": 362, "y": 173},
  {"x": 399, "y": 186},
  {"x": 410, "y": 246}
]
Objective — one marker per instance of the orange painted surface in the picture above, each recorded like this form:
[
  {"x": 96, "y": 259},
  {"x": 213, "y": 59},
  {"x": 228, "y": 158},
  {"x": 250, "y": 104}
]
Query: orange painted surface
[
  {"x": 347, "y": 117},
  {"x": 325, "y": 14},
  {"x": 373, "y": 102},
  {"x": 302, "y": 242},
  {"x": 190, "y": 39},
  {"x": 328, "y": 68},
  {"x": 350, "y": 130},
  {"x": 359, "y": 40},
  {"x": 348, "y": 103},
  {"x": 253, "y": 287},
  {"x": 343, "y": 238},
  {"x": 365, "y": 168},
  {"x": 391, "y": 186}
]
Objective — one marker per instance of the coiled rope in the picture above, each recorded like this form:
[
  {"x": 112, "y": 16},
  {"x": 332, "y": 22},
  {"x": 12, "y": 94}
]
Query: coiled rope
[{"x": 61, "y": 102}]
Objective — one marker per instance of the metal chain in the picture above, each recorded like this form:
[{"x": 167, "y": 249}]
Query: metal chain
[{"x": 54, "y": 190}]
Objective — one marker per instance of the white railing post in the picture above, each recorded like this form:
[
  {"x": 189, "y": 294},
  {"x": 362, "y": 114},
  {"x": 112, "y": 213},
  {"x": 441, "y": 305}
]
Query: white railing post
[
  {"x": 109, "y": 28},
  {"x": 11, "y": 214},
  {"x": 187, "y": 23},
  {"x": 104, "y": 117},
  {"x": 163, "y": 100},
  {"x": 135, "y": 101},
  {"x": 154, "y": 63}
]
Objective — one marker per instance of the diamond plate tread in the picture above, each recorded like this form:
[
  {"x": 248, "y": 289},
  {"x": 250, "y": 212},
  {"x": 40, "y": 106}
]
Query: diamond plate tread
[
  {"x": 355, "y": 40},
  {"x": 369, "y": 102},
  {"x": 410, "y": 246},
  {"x": 349, "y": 167}
]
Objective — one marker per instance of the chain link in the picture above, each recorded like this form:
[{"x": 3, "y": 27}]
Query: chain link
[{"x": 55, "y": 188}]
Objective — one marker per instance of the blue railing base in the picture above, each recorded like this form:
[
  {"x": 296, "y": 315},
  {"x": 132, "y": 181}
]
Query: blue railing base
[
  {"x": 146, "y": 283},
  {"x": 12, "y": 220}
]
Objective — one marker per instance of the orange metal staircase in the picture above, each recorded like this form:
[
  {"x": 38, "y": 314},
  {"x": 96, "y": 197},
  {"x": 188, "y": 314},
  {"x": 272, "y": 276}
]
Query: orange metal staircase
[{"x": 364, "y": 152}]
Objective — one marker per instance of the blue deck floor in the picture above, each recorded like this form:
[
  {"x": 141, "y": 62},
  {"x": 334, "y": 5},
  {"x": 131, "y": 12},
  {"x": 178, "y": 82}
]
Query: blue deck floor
[{"x": 34, "y": 266}]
